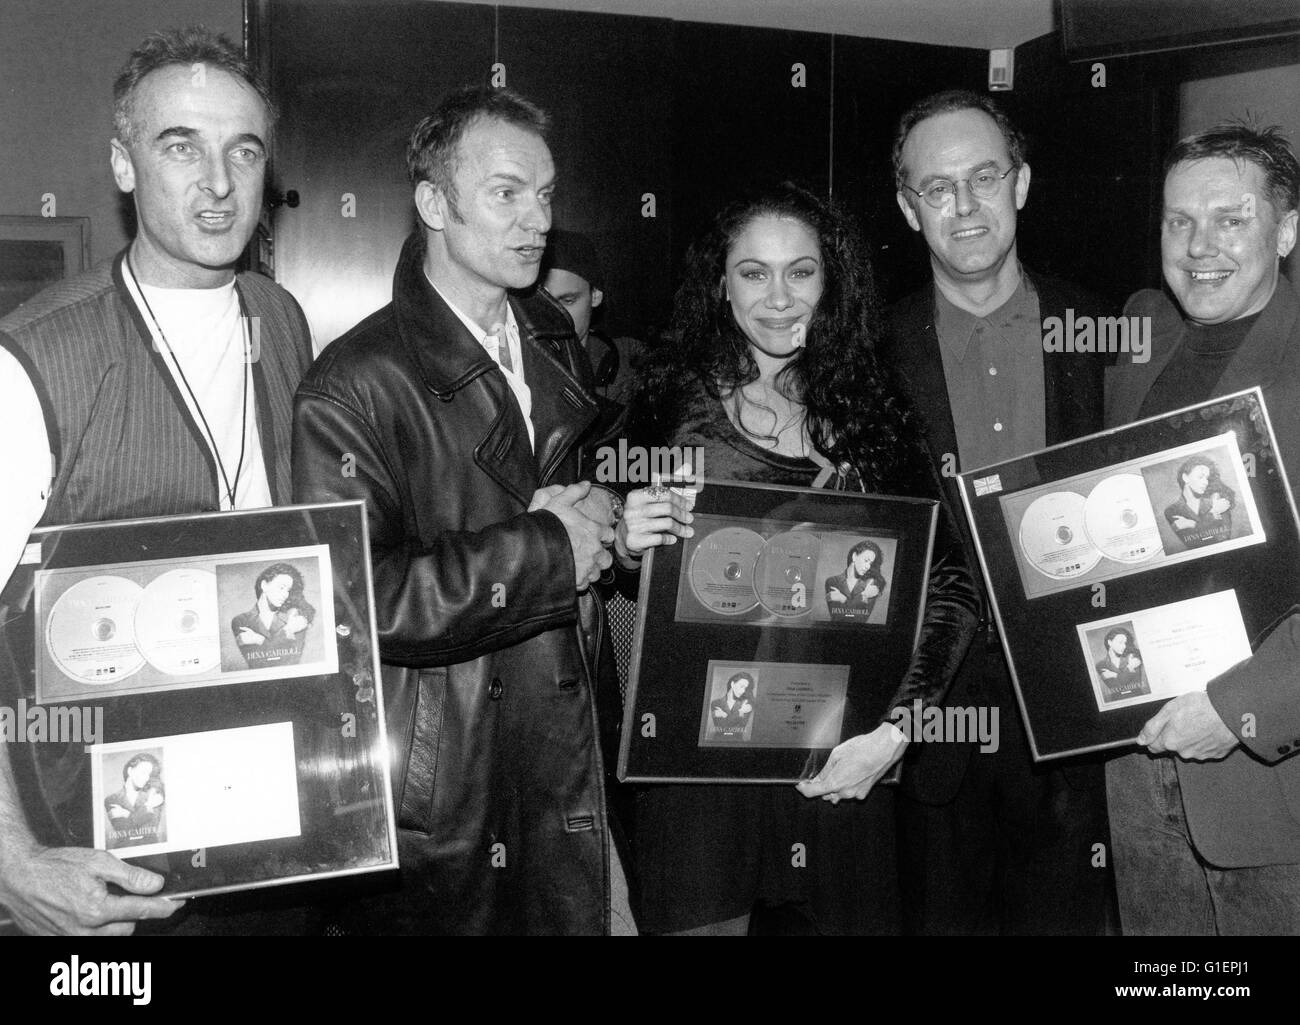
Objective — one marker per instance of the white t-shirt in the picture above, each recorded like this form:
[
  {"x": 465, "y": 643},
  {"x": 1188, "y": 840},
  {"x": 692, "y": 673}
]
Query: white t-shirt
[
  {"x": 203, "y": 330},
  {"x": 29, "y": 466}
]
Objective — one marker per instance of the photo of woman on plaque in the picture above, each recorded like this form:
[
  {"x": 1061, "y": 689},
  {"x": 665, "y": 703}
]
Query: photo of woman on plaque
[
  {"x": 854, "y": 592},
  {"x": 770, "y": 366},
  {"x": 1202, "y": 513},
  {"x": 274, "y": 630},
  {"x": 732, "y": 715},
  {"x": 135, "y": 812},
  {"x": 1120, "y": 668}
]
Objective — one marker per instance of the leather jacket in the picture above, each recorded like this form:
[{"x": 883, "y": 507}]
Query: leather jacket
[{"x": 490, "y": 657}]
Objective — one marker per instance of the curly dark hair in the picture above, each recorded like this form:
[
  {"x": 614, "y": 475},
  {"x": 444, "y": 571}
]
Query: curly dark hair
[
  {"x": 866, "y": 545},
  {"x": 855, "y": 416},
  {"x": 295, "y": 598}
]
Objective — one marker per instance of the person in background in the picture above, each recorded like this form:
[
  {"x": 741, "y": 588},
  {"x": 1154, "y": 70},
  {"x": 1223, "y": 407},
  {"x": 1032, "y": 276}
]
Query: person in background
[{"x": 571, "y": 272}]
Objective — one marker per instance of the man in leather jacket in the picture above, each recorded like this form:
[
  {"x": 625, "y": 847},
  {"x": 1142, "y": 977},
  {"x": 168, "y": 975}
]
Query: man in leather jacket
[{"x": 457, "y": 413}]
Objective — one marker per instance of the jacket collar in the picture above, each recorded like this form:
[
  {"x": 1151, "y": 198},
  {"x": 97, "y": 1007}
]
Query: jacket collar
[
  {"x": 1256, "y": 361},
  {"x": 449, "y": 358},
  {"x": 1262, "y": 352}
]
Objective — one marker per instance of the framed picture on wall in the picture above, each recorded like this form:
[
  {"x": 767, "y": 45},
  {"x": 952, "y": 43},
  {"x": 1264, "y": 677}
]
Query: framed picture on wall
[{"x": 38, "y": 251}]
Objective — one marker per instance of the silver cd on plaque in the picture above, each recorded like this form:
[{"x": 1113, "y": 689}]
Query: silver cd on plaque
[
  {"x": 722, "y": 570},
  {"x": 176, "y": 623},
  {"x": 1053, "y": 538},
  {"x": 1120, "y": 521},
  {"x": 90, "y": 632},
  {"x": 786, "y": 571}
]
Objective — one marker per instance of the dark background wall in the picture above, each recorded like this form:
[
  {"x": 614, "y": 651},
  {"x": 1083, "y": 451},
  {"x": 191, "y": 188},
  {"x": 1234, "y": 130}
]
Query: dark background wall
[{"x": 688, "y": 113}]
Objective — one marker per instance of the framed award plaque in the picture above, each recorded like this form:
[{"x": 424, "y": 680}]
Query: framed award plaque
[
  {"x": 1134, "y": 565},
  {"x": 200, "y": 695},
  {"x": 783, "y": 626}
]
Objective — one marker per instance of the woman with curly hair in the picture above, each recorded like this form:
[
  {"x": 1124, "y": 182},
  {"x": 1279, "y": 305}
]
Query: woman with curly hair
[{"x": 771, "y": 369}]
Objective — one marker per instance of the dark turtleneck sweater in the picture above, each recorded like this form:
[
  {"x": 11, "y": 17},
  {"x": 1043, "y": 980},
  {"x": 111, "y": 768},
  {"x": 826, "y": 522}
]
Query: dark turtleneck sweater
[{"x": 1195, "y": 369}]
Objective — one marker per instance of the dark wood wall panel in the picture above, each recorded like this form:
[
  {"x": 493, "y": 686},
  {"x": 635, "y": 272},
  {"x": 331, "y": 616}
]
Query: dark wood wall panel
[
  {"x": 1096, "y": 153},
  {"x": 738, "y": 119},
  {"x": 351, "y": 81},
  {"x": 876, "y": 80},
  {"x": 601, "y": 77}
]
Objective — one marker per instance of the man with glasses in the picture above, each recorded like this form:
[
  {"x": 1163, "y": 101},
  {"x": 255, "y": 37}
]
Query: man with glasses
[{"x": 992, "y": 842}]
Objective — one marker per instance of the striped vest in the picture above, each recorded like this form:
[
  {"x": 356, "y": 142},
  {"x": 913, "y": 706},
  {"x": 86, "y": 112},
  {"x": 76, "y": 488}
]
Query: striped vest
[{"x": 124, "y": 442}]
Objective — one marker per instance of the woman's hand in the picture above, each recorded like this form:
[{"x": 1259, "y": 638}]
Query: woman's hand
[
  {"x": 652, "y": 516},
  {"x": 855, "y": 765}
]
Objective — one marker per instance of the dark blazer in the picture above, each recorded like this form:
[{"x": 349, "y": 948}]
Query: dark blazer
[
  {"x": 1245, "y": 809},
  {"x": 1072, "y": 388},
  {"x": 490, "y": 659}
]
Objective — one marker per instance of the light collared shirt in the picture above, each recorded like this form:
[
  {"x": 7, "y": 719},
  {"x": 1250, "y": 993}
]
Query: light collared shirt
[
  {"x": 993, "y": 366},
  {"x": 492, "y": 343}
]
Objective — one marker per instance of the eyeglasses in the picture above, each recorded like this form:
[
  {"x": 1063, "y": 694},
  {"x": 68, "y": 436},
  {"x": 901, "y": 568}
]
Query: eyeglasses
[{"x": 984, "y": 184}]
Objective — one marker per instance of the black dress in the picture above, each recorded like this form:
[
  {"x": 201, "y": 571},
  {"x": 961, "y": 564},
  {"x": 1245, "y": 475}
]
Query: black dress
[{"x": 708, "y": 853}]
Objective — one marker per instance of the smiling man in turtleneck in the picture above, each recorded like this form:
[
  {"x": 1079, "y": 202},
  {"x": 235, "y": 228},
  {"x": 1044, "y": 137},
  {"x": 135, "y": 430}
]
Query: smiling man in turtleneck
[{"x": 1209, "y": 841}]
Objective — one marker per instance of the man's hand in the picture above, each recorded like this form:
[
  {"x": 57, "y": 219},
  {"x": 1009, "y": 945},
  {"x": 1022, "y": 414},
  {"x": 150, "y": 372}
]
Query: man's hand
[
  {"x": 64, "y": 891},
  {"x": 649, "y": 521},
  {"x": 542, "y": 496},
  {"x": 1190, "y": 728},
  {"x": 855, "y": 765},
  {"x": 587, "y": 538}
]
